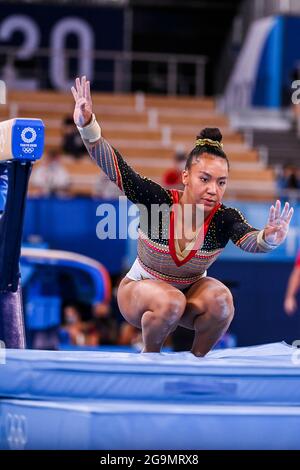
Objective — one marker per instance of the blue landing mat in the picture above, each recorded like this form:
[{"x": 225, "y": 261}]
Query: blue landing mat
[
  {"x": 257, "y": 374},
  {"x": 146, "y": 425}
]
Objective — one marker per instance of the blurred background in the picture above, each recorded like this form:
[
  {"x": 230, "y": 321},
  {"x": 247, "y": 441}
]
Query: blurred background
[{"x": 160, "y": 71}]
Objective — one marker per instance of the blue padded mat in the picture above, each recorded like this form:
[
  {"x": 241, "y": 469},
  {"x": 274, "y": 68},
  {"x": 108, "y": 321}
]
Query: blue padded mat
[
  {"x": 146, "y": 425},
  {"x": 257, "y": 374}
]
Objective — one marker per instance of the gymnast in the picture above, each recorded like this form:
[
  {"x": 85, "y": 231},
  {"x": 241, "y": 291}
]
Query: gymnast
[{"x": 168, "y": 284}]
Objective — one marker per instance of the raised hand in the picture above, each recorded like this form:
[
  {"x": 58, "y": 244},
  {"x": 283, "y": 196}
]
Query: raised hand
[
  {"x": 278, "y": 223},
  {"x": 83, "y": 102}
]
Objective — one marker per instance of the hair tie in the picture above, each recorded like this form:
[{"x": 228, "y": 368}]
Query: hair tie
[{"x": 209, "y": 142}]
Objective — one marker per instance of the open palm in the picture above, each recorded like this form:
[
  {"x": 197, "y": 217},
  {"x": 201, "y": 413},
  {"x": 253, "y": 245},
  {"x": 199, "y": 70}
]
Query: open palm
[
  {"x": 278, "y": 223},
  {"x": 83, "y": 102}
]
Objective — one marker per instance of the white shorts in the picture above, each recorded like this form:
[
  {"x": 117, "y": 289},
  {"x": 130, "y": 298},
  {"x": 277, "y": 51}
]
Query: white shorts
[{"x": 138, "y": 273}]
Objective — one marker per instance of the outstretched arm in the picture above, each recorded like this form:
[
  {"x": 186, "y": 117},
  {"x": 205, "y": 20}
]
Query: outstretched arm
[
  {"x": 252, "y": 240},
  {"x": 137, "y": 188}
]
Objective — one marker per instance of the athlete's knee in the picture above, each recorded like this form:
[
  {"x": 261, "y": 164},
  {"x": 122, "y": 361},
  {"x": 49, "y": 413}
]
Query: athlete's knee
[
  {"x": 168, "y": 307},
  {"x": 221, "y": 307},
  {"x": 171, "y": 305}
]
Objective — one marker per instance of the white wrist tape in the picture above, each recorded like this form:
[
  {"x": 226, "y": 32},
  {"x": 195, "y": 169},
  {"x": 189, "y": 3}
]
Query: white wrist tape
[
  {"x": 91, "y": 132},
  {"x": 263, "y": 244}
]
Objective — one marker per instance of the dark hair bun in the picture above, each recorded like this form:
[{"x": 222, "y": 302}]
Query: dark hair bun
[{"x": 212, "y": 133}]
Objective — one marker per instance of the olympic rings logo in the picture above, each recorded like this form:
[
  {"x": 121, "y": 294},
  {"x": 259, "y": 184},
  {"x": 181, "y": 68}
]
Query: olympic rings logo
[
  {"x": 28, "y": 150},
  {"x": 28, "y": 140},
  {"x": 16, "y": 431}
]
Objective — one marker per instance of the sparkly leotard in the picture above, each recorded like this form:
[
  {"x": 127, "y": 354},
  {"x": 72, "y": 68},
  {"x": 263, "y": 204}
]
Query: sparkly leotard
[{"x": 157, "y": 253}]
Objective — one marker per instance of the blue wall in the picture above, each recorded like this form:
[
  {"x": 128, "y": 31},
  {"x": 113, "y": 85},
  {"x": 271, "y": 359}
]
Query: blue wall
[
  {"x": 70, "y": 224},
  {"x": 267, "y": 91},
  {"x": 280, "y": 54},
  {"x": 258, "y": 290}
]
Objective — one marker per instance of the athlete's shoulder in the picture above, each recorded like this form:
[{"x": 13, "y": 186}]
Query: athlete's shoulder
[
  {"x": 230, "y": 212},
  {"x": 229, "y": 216}
]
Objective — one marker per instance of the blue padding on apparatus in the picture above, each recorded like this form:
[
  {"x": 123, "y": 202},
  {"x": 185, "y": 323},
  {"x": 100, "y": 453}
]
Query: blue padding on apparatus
[
  {"x": 146, "y": 425},
  {"x": 28, "y": 136},
  {"x": 258, "y": 374}
]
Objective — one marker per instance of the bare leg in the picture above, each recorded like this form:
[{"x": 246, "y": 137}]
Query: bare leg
[
  {"x": 154, "y": 306},
  {"x": 209, "y": 311}
]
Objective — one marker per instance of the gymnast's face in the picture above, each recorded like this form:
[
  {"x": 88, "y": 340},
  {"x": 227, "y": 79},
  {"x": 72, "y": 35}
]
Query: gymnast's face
[{"x": 205, "y": 182}]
